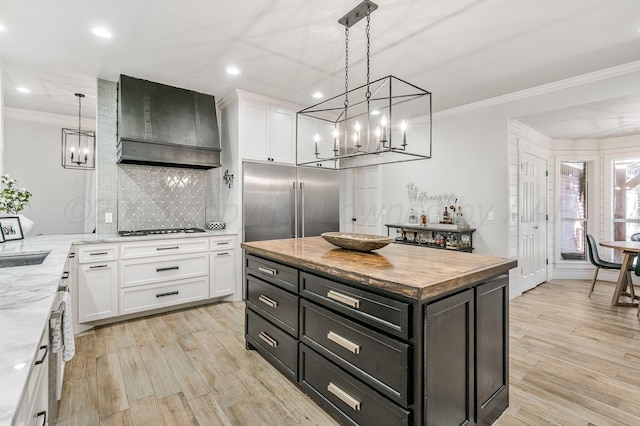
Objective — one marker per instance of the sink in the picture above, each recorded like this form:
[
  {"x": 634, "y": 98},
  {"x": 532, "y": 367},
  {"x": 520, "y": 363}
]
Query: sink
[{"x": 23, "y": 258}]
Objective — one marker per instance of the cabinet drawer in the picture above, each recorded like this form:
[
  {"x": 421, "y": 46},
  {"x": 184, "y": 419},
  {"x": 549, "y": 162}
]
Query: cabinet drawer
[
  {"x": 378, "y": 360},
  {"x": 139, "y": 299},
  {"x": 152, "y": 270},
  {"x": 275, "y": 345},
  {"x": 345, "y": 395},
  {"x": 163, "y": 247},
  {"x": 97, "y": 253},
  {"x": 279, "y": 306},
  {"x": 222, "y": 243},
  {"x": 275, "y": 273},
  {"x": 386, "y": 314}
]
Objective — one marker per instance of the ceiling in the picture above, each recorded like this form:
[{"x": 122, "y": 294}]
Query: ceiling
[{"x": 460, "y": 50}]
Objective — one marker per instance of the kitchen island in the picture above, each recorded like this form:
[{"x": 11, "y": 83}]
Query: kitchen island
[{"x": 397, "y": 336}]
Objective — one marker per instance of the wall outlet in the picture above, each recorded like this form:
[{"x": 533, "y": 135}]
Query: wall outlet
[
  {"x": 490, "y": 216},
  {"x": 108, "y": 217}
]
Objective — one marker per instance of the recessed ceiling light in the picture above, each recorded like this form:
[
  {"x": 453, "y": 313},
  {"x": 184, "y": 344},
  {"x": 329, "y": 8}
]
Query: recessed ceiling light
[
  {"x": 375, "y": 112},
  {"x": 22, "y": 89},
  {"x": 20, "y": 366},
  {"x": 233, "y": 71},
  {"x": 101, "y": 32},
  {"x": 2, "y": 28},
  {"x": 317, "y": 95}
]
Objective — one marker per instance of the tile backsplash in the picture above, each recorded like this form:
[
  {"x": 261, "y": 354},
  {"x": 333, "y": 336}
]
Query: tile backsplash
[{"x": 152, "y": 197}]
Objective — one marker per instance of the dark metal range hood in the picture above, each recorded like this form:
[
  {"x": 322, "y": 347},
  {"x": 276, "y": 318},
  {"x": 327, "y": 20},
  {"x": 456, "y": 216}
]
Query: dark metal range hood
[{"x": 166, "y": 126}]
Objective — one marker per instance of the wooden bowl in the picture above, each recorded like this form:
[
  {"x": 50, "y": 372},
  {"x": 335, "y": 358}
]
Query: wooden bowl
[{"x": 359, "y": 242}]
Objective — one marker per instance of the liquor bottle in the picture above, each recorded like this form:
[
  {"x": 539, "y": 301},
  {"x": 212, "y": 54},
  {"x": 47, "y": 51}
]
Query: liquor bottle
[{"x": 423, "y": 219}]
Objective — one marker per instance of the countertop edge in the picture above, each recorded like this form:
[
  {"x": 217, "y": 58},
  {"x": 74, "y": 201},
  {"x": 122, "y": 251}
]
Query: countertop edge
[{"x": 396, "y": 287}]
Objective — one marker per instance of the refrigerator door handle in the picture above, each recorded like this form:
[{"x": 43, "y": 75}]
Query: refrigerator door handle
[
  {"x": 302, "y": 209},
  {"x": 295, "y": 210}
]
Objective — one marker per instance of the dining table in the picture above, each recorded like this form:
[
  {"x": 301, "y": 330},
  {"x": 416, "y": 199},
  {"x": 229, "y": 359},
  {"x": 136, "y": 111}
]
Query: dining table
[{"x": 630, "y": 249}]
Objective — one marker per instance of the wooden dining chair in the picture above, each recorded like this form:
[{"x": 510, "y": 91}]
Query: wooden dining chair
[{"x": 596, "y": 261}]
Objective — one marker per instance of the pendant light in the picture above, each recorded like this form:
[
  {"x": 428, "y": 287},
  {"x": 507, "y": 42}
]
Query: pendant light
[
  {"x": 78, "y": 146},
  {"x": 387, "y": 120}
]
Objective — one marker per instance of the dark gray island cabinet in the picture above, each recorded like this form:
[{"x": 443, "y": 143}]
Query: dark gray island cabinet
[{"x": 384, "y": 338}]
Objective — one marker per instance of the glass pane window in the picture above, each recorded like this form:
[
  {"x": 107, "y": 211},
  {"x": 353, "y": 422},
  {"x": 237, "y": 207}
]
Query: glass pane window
[
  {"x": 573, "y": 210},
  {"x": 626, "y": 194}
]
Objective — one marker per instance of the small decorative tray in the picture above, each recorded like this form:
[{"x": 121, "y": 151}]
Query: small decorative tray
[{"x": 359, "y": 242}]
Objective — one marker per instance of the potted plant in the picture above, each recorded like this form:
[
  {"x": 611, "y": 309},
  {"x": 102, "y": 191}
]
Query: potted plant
[{"x": 14, "y": 200}]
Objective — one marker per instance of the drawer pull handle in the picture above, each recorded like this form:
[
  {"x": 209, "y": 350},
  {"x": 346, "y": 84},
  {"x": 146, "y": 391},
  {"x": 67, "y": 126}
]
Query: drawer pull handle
[
  {"x": 170, "y": 293},
  {"x": 102, "y": 253},
  {"x": 98, "y": 266},
  {"x": 71, "y": 255},
  {"x": 223, "y": 244},
  {"x": 347, "y": 344},
  {"x": 270, "y": 302},
  {"x": 226, "y": 253},
  {"x": 65, "y": 275},
  {"x": 268, "y": 339},
  {"x": 342, "y": 298},
  {"x": 168, "y": 248},
  {"x": 46, "y": 350},
  {"x": 170, "y": 268},
  {"x": 344, "y": 397},
  {"x": 266, "y": 270}
]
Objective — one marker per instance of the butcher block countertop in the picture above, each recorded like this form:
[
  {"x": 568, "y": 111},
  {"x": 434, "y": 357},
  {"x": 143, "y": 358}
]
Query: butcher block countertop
[{"x": 415, "y": 272}]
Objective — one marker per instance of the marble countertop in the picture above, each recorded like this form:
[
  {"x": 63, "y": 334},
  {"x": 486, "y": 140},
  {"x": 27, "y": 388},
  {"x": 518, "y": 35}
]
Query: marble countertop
[
  {"x": 26, "y": 300},
  {"x": 415, "y": 272}
]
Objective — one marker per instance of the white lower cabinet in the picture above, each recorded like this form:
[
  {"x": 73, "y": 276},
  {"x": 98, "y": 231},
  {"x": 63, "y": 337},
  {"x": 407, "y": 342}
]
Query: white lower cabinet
[
  {"x": 138, "y": 276},
  {"x": 33, "y": 409},
  {"x": 97, "y": 291},
  {"x": 222, "y": 273}
]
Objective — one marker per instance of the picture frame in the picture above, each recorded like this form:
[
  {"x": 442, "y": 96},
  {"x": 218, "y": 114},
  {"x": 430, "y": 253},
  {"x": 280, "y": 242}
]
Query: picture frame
[
  {"x": 1, "y": 236},
  {"x": 11, "y": 228}
]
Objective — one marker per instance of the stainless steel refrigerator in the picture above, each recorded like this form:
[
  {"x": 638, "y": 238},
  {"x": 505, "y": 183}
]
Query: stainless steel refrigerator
[{"x": 288, "y": 202}]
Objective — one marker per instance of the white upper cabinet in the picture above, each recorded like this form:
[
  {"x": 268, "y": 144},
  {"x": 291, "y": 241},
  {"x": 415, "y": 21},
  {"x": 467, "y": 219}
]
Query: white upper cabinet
[
  {"x": 283, "y": 136},
  {"x": 255, "y": 125},
  {"x": 267, "y": 129}
]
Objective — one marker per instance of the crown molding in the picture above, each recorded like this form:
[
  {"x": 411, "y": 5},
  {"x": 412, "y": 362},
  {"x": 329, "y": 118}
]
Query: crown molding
[{"x": 591, "y": 77}]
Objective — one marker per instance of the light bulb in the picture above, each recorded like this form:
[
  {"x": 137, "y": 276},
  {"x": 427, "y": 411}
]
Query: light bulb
[
  {"x": 383, "y": 120},
  {"x": 357, "y": 126},
  {"x": 335, "y": 133},
  {"x": 378, "y": 131},
  {"x": 403, "y": 126}
]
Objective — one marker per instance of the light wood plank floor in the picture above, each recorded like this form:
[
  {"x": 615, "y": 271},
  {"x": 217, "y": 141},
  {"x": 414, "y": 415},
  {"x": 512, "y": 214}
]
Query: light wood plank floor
[{"x": 573, "y": 361}]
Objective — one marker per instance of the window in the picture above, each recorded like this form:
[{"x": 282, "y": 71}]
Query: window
[
  {"x": 626, "y": 193},
  {"x": 573, "y": 210}
]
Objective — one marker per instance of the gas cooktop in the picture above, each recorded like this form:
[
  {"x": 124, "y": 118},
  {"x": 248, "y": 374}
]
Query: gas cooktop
[{"x": 142, "y": 232}]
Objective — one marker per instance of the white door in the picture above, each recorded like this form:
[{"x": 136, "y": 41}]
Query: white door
[
  {"x": 367, "y": 203},
  {"x": 532, "y": 257}
]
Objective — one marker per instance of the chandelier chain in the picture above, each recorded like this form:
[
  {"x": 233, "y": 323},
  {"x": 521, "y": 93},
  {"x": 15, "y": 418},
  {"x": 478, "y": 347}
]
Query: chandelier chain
[
  {"x": 79, "y": 114},
  {"x": 368, "y": 31},
  {"x": 346, "y": 66}
]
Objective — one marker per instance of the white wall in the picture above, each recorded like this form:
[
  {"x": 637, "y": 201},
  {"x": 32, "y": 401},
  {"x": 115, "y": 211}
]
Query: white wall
[
  {"x": 471, "y": 146},
  {"x": 32, "y": 155}
]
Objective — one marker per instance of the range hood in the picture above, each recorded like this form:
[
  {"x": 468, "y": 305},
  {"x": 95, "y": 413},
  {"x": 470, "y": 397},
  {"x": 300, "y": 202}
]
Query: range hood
[{"x": 166, "y": 126}]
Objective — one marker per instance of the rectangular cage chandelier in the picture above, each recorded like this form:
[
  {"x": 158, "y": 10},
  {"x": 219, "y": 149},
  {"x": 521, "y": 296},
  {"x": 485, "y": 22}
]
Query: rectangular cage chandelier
[
  {"x": 384, "y": 121},
  {"x": 78, "y": 145}
]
